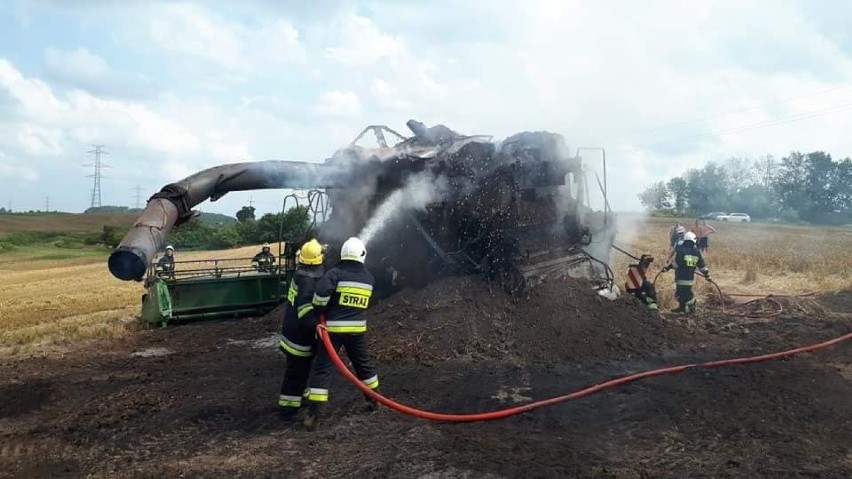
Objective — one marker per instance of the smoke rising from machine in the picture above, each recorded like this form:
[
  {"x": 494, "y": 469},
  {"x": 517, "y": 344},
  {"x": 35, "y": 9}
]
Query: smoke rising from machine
[{"x": 418, "y": 192}]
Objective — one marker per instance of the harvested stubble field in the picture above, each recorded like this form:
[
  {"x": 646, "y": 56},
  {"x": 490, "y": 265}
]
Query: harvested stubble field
[
  {"x": 753, "y": 258},
  {"x": 62, "y": 222},
  {"x": 50, "y": 297},
  {"x": 197, "y": 400}
]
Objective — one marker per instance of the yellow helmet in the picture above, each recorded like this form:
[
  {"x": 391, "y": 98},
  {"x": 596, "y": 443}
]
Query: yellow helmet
[{"x": 311, "y": 253}]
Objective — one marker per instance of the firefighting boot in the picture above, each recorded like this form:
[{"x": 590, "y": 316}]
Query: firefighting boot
[
  {"x": 372, "y": 404},
  {"x": 312, "y": 418},
  {"x": 288, "y": 413},
  {"x": 681, "y": 308},
  {"x": 691, "y": 306}
]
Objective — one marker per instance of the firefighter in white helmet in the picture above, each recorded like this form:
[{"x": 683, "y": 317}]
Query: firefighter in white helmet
[
  {"x": 687, "y": 258},
  {"x": 298, "y": 331},
  {"x": 166, "y": 265},
  {"x": 343, "y": 295},
  {"x": 265, "y": 260}
]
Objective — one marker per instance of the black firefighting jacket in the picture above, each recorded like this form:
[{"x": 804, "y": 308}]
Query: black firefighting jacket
[
  {"x": 166, "y": 267},
  {"x": 297, "y": 331},
  {"x": 687, "y": 258},
  {"x": 343, "y": 294},
  {"x": 263, "y": 261}
]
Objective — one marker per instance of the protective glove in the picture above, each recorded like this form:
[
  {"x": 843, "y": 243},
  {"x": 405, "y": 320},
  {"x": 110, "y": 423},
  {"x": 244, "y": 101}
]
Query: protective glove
[
  {"x": 707, "y": 276},
  {"x": 667, "y": 268}
]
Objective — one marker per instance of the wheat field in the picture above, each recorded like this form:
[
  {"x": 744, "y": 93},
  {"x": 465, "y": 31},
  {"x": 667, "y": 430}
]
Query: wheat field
[
  {"x": 51, "y": 297},
  {"x": 48, "y": 299},
  {"x": 750, "y": 258},
  {"x": 63, "y": 222}
]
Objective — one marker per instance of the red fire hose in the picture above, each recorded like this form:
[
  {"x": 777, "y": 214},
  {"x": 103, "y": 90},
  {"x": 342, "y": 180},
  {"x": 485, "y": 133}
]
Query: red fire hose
[
  {"x": 504, "y": 413},
  {"x": 734, "y": 310}
]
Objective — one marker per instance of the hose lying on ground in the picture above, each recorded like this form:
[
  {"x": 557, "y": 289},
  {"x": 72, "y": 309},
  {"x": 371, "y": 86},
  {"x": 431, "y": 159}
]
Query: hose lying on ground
[
  {"x": 777, "y": 307},
  {"x": 512, "y": 411}
]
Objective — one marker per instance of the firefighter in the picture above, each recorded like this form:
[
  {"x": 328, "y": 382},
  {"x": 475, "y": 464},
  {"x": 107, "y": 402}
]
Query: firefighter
[
  {"x": 264, "y": 260},
  {"x": 298, "y": 331},
  {"x": 637, "y": 283},
  {"x": 343, "y": 295},
  {"x": 166, "y": 265},
  {"x": 687, "y": 258}
]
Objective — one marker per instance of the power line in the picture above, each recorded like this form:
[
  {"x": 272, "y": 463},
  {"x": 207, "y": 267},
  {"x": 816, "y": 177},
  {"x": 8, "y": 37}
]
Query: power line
[
  {"x": 98, "y": 165},
  {"x": 764, "y": 124},
  {"x": 741, "y": 110}
]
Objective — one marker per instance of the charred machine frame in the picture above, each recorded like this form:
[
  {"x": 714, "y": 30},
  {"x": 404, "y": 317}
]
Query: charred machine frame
[{"x": 517, "y": 211}]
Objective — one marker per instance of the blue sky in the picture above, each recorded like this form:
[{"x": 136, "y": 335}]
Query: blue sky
[{"x": 174, "y": 87}]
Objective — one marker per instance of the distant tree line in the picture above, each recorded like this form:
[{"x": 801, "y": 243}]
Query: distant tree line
[
  {"x": 124, "y": 210},
  {"x": 201, "y": 232},
  {"x": 197, "y": 233},
  {"x": 4, "y": 211},
  {"x": 800, "y": 187},
  {"x": 109, "y": 209}
]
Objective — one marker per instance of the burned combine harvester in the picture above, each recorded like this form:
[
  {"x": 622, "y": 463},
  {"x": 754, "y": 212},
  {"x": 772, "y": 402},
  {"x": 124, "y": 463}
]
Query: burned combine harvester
[{"x": 517, "y": 211}]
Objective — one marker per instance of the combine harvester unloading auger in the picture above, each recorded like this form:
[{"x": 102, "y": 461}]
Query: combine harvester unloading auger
[{"x": 516, "y": 211}]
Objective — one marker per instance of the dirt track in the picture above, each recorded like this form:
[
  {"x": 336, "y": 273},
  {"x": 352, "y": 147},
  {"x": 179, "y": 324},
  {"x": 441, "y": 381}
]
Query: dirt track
[{"x": 206, "y": 408}]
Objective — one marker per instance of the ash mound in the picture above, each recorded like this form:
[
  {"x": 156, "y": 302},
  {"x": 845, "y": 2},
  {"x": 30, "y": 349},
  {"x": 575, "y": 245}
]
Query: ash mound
[{"x": 469, "y": 319}]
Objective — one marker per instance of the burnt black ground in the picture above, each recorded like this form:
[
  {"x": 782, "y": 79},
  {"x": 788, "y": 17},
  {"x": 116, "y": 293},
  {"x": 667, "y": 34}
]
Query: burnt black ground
[{"x": 207, "y": 409}]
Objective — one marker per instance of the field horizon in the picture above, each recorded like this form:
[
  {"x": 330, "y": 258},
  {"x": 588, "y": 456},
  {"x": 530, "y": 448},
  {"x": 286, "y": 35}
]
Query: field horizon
[{"x": 52, "y": 295}]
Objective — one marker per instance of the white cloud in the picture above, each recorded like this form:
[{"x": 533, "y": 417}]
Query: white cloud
[
  {"x": 31, "y": 95},
  {"x": 14, "y": 170},
  {"x": 38, "y": 140},
  {"x": 261, "y": 80},
  {"x": 195, "y": 31},
  {"x": 80, "y": 68},
  {"x": 77, "y": 62},
  {"x": 223, "y": 147},
  {"x": 387, "y": 95},
  {"x": 339, "y": 104},
  {"x": 192, "y": 30},
  {"x": 362, "y": 44},
  {"x": 47, "y": 123}
]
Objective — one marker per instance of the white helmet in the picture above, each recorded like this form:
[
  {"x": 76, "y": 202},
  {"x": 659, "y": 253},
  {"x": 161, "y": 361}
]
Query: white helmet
[
  {"x": 170, "y": 247},
  {"x": 689, "y": 236},
  {"x": 353, "y": 250}
]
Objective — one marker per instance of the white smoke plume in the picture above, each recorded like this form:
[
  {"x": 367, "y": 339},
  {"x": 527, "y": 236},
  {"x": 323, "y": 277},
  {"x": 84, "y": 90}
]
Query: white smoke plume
[{"x": 418, "y": 192}]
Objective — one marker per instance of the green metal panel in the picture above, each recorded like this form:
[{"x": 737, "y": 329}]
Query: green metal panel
[
  {"x": 164, "y": 300},
  {"x": 157, "y": 304},
  {"x": 211, "y": 296}
]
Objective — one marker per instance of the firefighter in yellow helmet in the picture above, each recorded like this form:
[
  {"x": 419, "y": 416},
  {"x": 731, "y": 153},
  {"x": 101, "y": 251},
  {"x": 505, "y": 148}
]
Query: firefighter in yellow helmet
[{"x": 298, "y": 331}]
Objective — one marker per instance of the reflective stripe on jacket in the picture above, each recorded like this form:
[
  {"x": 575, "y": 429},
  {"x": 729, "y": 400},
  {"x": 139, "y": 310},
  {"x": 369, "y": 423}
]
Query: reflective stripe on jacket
[
  {"x": 687, "y": 258},
  {"x": 299, "y": 319},
  {"x": 344, "y": 294}
]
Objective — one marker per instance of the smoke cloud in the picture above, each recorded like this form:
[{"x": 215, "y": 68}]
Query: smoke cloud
[{"x": 419, "y": 191}]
